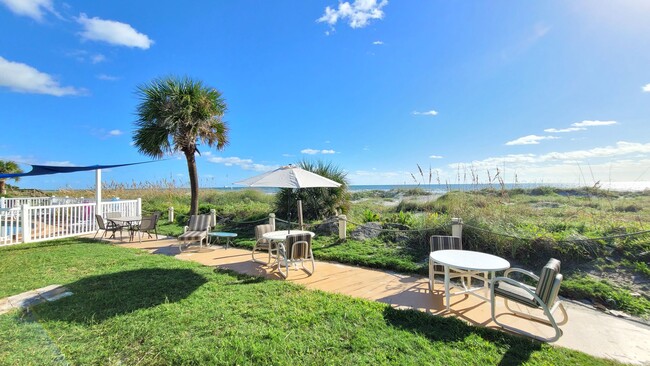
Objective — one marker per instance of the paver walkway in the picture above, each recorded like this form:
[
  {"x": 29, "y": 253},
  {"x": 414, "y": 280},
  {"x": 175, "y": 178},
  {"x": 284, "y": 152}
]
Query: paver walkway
[
  {"x": 587, "y": 330},
  {"x": 34, "y": 297}
]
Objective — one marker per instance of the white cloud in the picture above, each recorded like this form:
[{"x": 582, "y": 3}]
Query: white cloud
[
  {"x": 562, "y": 130},
  {"x": 429, "y": 113},
  {"x": 530, "y": 140},
  {"x": 34, "y": 9},
  {"x": 113, "y": 32},
  {"x": 246, "y": 164},
  {"x": 380, "y": 43},
  {"x": 97, "y": 58},
  {"x": 23, "y": 78},
  {"x": 288, "y": 155},
  {"x": 107, "y": 77},
  {"x": 115, "y": 132},
  {"x": 358, "y": 14},
  {"x": 646, "y": 88},
  {"x": 58, "y": 163},
  {"x": 625, "y": 161},
  {"x": 316, "y": 151},
  {"x": 435, "y": 157},
  {"x": 85, "y": 56},
  {"x": 593, "y": 123},
  {"x": 379, "y": 177}
]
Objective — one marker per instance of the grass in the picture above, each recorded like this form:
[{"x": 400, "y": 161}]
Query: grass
[
  {"x": 524, "y": 226},
  {"x": 131, "y": 307}
]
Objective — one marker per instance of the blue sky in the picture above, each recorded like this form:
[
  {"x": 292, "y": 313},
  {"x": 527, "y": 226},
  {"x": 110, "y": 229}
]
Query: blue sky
[{"x": 548, "y": 91}]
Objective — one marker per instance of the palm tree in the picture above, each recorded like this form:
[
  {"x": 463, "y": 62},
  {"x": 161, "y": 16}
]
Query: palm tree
[
  {"x": 8, "y": 167},
  {"x": 177, "y": 114}
]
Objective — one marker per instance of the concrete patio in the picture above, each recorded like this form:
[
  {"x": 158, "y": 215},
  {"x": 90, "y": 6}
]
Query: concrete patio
[{"x": 587, "y": 330}]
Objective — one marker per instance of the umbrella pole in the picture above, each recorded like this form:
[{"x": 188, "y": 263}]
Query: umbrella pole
[{"x": 289, "y": 209}]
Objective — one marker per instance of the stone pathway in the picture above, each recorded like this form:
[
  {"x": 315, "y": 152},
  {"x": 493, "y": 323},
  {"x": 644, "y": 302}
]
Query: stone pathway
[{"x": 34, "y": 297}]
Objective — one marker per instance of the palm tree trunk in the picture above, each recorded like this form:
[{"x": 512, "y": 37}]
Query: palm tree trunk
[
  {"x": 3, "y": 187},
  {"x": 194, "y": 183}
]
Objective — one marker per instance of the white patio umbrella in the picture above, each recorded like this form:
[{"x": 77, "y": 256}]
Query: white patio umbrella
[{"x": 290, "y": 176}]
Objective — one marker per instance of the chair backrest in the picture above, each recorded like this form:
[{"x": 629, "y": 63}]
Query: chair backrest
[
  {"x": 301, "y": 251},
  {"x": 148, "y": 223},
  {"x": 100, "y": 221},
  {"x": 199, "y": 222},
  {"x": 113, "y": 215},
  {"x": 260, "y": 230},
  {"x": 549, "y": 282},
  {"x": 442, "y": 242}
]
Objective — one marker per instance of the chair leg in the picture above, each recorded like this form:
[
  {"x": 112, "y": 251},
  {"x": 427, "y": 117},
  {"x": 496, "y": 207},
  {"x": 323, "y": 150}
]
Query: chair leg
[{"x": 550, "y": 320}]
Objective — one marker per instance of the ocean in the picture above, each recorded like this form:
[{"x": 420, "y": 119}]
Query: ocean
[{"x": 443, "y": 188}]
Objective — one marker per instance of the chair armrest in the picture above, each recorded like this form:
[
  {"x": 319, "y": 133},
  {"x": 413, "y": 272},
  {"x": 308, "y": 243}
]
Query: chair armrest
[
  {"x": 522, "y": 271},
  {"x": 185, "y": 228},
  {"x": 520, "y": 285}
]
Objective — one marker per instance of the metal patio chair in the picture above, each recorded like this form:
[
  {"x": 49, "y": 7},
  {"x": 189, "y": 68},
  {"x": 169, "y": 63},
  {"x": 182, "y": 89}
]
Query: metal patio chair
[
  {"x": 110, "y": 226},
  {"x": 296, "y": 248},
  {"x": 544, "y": 297},
  {"x": 264, "y": 244}
]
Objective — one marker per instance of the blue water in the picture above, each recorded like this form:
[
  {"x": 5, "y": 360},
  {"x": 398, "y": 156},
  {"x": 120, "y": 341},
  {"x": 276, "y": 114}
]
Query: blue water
[
  {"x": 444, "y": 188},
  {"x": 432, "y": 188}
]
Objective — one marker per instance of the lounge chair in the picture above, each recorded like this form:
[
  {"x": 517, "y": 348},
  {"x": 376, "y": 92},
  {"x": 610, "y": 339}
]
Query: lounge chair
[
  {"x": 544, "y": 297},
  {"x": 296, "y": 248},
  {"x": 442, "y": 242},
  {"x": 197, "y": 230},
  {"x": 262, "y": 243},
  {"x": 110, "y": 226}
]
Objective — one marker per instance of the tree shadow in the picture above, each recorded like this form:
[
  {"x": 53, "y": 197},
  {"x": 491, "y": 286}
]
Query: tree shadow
[
  {"x": 98, "y": 298},
  {"x": 241, "y": 278},
  {"x": 441, "y": 329}
]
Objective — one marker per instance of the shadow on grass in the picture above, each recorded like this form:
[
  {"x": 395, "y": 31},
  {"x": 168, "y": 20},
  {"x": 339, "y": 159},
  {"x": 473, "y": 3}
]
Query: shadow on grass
[
  {"x": 439, "y": 329},
  {"x": 242, "y": 279},
  {"x": 98, "y": 298}
]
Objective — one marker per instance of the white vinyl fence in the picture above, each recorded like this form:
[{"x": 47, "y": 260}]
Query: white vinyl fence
[{"x": 26, "y": 223}]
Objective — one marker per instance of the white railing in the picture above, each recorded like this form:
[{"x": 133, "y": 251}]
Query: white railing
[
  {"x": 10, "y": 226},
  {"x": 28, "y": 224},
  {"x": 41, "y": 201}
]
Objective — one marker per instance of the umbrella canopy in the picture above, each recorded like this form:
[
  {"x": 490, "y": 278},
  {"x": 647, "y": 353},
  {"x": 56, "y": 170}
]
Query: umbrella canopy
[{"x": 290, "y": 177}]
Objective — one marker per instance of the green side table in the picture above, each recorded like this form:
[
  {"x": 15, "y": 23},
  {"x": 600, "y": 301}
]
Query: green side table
[{"x": 221, "y": 234}]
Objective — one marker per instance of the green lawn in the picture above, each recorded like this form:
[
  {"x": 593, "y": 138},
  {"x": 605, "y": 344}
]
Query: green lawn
[{"x": 130, "y": 307}]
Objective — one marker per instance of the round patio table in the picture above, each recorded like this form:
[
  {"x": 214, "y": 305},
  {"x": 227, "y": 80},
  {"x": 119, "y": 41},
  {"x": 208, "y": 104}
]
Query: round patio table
[
  {"x": 470, "y": 263},
  {"x": 282, "y": 234}
]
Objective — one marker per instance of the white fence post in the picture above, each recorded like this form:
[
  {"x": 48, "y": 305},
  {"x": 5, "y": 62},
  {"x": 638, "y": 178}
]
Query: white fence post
[
  {"x": 457, "y": 227},
  {"x": 343, "y": 220},
  {"x": 26, "y": 219},
  {"x": 272, "y": 221},
  {"x": 170, "y": 214},
  {"x": 213, "y": 216},
  {"x": 2, "y": 202},
  {"x": 138, "y": 207}
]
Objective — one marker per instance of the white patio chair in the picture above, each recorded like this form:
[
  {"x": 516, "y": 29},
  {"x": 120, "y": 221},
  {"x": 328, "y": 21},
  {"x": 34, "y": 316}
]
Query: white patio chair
[
  {"x": 544, "y": 297},
  {"x": 264, "y": 244},
  {"x": 296, "y": 248},
  {"x": 442, "y": 242}
]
